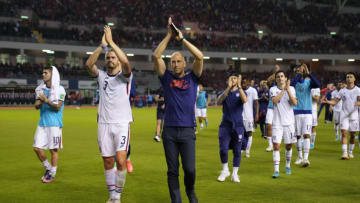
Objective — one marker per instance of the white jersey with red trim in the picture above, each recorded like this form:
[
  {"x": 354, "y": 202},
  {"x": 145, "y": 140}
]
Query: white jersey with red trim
[{"x": 114, "y": 104}]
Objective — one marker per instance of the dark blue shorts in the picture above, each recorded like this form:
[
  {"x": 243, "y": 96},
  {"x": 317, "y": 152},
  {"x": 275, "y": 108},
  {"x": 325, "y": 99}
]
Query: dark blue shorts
[
  {"x": 229, "y": 137},
  {"x": 160, "y": 114}
]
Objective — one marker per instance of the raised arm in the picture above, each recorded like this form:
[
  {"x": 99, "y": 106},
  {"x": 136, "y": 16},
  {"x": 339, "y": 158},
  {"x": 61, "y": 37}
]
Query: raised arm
[
  {"x": 198, "y": 64},
  {"x": 160, "y": 66},
  {"x": 119, "y": 53},
  {"x": 223, "y": 96},
  {"x": 271, "y": 78},
  {"x": 292, "y": 98},
  {"x": 90, "y": 63}
]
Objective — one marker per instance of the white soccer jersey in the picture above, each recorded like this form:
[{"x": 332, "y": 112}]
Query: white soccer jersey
[
  {"x": 338, "y": 106},
  {"x": 251, "y": 95},
  {"x": 349, "y": 98},
  {"x": 283, "y": 110},
  {"x": 114, "y": 104},
  {"x": 315, "y": 92}
]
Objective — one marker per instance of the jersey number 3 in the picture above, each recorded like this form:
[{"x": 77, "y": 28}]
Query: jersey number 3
[{"x": 105, "y": 84}]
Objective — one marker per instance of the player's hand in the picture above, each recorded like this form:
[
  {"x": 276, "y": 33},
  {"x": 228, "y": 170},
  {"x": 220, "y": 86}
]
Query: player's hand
[
  {"x": 323, "y": 100},
  {"x": 230, "y": 82},
  {"x": 239, "y": 81},
  {"x": 179, "y": 36},
  {"x": 287, "y": 87},
  {"x": 42, "y": 97},
  {"x": 162, "y": 106},
  {"x": 103, "y": 41},
  {"x": 306, "y": 69},
  {"x": 168, "y": 26},
  {"x": 108, "y": 35}
]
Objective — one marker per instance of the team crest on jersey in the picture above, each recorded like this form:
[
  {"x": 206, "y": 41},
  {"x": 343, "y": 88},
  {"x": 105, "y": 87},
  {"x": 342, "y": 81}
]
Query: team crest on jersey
[
  {"x": 181, "y": 84},
  {"x": 237, "y": 94}
]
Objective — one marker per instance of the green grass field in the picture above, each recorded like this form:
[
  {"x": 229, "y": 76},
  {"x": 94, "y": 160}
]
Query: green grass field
[{"x": 80, "y": 176}]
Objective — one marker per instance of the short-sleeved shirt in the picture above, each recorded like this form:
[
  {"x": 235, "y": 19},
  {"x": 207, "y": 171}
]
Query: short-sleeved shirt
[
  {"x": 338, "y": 106},
  {"x": 114, "y": 92},
  {"x": 50, "y": 117},
  {"x": 252, "y": 95},
  {"x": 232, "y": 110},
  {"x": 349, "y": 98},
  {"x": 180, "y": 98},
  {"x": 201, "y": 100},
  {"x": 283, "y": 110}
]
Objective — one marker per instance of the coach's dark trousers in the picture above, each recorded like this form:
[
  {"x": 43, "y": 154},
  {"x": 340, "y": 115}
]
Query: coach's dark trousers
[{"x": 179, "y": 141}]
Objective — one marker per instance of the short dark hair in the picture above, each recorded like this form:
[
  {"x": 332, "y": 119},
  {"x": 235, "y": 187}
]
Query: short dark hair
[
  {"x": 48, "y": 68},
  {"x": 351, "y": 73},
  {"x": 280, "y": 71}
]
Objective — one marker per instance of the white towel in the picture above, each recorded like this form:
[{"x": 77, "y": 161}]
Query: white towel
[{"x": 55, "y": 86}]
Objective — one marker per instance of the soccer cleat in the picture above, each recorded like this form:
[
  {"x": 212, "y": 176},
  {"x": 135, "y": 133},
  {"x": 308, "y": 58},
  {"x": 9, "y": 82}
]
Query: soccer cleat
[
  {"x": 305, "y": 163},
  {"x": 345, "y": 157},
  {"x": 275, "y": 175},
  {"x": 351, "y": 155},
  {"x": 269, "y": 148},
  {"x": 287, "y": 171},
  {"x": 312, "y": 146},
  {"x": 235, "y": 178},
  {"x": 117, "y": 201},
  {"x": 298, "y": 161},
  {"x": 223, "y": 175},
  {"x": 49, "y": 178},
  {"x": 157, "y": 138},
  {"x": 247, "y": 153},
  {"x": 47, "y": 172},
  {"x": 129, "y": 166}
]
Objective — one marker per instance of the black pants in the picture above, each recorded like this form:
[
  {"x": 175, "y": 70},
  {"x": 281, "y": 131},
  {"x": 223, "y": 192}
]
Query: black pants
[{"x": 179, "y": 141}]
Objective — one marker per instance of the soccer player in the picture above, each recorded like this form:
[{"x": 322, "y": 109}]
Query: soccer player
[
  {"x": 231, "y": 129},
  {"x": 160, "y": 111},
  {"x": 248, "y": 114},
  {"x": 303, "y": 83},
  {"x": 284, "y": 99},
  {"x": 336, "y": 109},
  {"x": 179, "y": 121},
  {"x": 349, "y": 115},
  {"x": 202, "y": 103},
  {"x": 315, "y": 94},
  {"x": 263, "y": 105},
  {"x": 114, "y": 114},
  {"x": 50, "y": 96}
]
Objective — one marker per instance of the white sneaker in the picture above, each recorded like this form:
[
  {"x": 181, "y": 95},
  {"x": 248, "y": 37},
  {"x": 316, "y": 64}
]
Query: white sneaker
[
  {"x": 247, "y": 153},
  {"x": 223, "y": 175},
  {"x": 269, "y": 148},
  {"x": 351, "y": 155},
  {"x": 298, "y": 161},
  {"x": 235, "y": 178},
  {"x": 157, "y": 138}
]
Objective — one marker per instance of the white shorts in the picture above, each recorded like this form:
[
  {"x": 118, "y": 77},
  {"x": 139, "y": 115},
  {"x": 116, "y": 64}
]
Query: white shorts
[
  {"x": 113, "y": 137},
  {"x": 303, "y": 124},
  {"x": 201, "y": 112},
  {"x": 283, "y": 132},
  {"x": 349, "y": 125},
  {"x": 249, "y": 125},
  {"x": 48, "y": 138},
  {"x": 269, "y": 116},
  {"x": 314, "y": 119},
  {"x": 337, "y": 117}
]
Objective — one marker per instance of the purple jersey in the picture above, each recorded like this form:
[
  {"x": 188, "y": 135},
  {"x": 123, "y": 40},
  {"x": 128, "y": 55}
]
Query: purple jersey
[
  {"x": 232, "y": 110},
  {"x": 180, "y": 97}
]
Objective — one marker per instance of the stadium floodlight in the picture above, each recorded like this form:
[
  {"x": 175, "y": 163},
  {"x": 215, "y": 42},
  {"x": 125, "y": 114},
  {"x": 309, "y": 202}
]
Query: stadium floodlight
[
  {"x": 187, "y": 28},
  {"x": 168, "y": 56},
  {"x": 279, "y": 59},
  {"x": 51, "y": 52},
  {"x": 332, "y": 33},
  {"x": 243, "y": 59},
  {"x": 235, "y": 58},
  {"x": 260, "y": 32},
  {"x": 162, "y": 56},
  {"x": 24, "y": 17},
  {"x": 206, "y": 57},
  {"x": 130, "y": 54},
  {"x": 315, "y": 59},
  {"x": 110, "y": 24},
  {"x": 89, "y": 52},
  {"x": 351, "y": 60},
  {"x": 46, "y": 50}
]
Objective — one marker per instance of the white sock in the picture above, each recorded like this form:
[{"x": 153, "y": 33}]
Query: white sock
[
  {"x": 46, "y": 164},
  {"x": 119, "y": 183},
  {"x": 306, "y": 148},
  {"x": 110, "y": 182},
  {"x": 288, "y": 154},
  {"x": 276, "y": 158},
  {"x": 298, "y": 147},
  {"x": 202, "y": 125},
  {"x": 270, "y": 141},
  {"x": 53, "y": 171},
  {"x": 225, "y": 167},
  {"x": 313, "y": 136},
  {"x": 235, "y": 170},
  {"x": 351, "y": 148},
  {"x": 248, "y": 147},
  {"x": 344, "y": 149}
]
